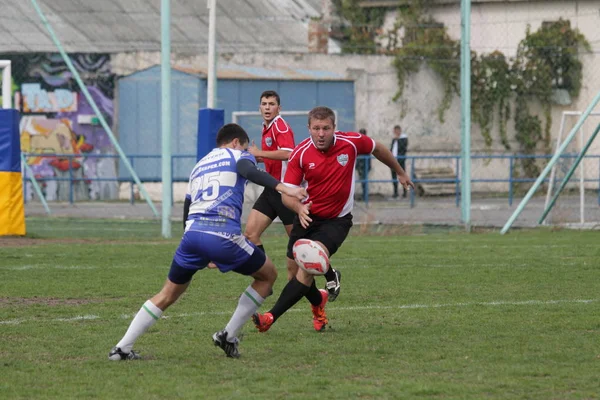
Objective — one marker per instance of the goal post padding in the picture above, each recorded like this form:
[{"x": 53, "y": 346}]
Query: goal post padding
[
  {"x": 12, "y": 206},
  {"x": 210, "y": 120}
]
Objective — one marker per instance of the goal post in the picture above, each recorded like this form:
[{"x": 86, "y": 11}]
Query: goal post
[
  {"x": 559, "y": 173},
  {"x": 237, "y": 114}
]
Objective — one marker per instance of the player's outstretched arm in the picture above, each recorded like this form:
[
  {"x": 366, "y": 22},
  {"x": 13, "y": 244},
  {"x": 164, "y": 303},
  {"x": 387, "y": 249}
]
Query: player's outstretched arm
[
  {"x": 383, "y": 154},
  {"x": 281, "y": 155},
  {"x": 248, "y": 170}
]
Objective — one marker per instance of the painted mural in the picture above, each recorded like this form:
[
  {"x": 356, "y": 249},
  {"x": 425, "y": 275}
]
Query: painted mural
[{"x": 59, "y": 129}]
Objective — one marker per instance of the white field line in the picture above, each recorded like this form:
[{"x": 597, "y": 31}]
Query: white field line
[
  {"x": 77, "y": 318},
  {"x": 340, "y": 262}
]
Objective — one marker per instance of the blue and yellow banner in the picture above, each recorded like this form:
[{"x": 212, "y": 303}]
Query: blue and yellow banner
[{"x": 12, "y": 210}]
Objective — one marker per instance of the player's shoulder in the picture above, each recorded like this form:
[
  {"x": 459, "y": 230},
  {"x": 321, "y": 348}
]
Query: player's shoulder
[
  {"x": 281, "y": 126},
  {"x": 241, "y": 154},
  {"x": 348, "y": 135}
]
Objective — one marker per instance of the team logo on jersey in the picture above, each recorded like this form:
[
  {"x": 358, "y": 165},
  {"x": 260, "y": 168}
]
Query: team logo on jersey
[
  {"x": 343, "y": 159},
  {"x": 269, "y": 142}
]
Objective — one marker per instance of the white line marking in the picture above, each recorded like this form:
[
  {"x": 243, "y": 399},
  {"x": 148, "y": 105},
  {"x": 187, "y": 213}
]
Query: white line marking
[
  {"x": 77, "y": 318},
  {"x": 332, "y": 309}
]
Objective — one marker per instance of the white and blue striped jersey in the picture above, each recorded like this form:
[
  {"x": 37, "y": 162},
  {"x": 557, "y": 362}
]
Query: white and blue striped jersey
[{"x": 216, "y": 192}]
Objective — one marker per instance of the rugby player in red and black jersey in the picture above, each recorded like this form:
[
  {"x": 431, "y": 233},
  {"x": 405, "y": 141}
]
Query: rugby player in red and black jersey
[
  {"x": 276, "y": 146},
  {"x": 325, "y": 165}
]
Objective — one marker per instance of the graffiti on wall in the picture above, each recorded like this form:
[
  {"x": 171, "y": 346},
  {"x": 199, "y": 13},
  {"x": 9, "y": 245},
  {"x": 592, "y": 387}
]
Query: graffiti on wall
[{"x": 59, "y": 127}]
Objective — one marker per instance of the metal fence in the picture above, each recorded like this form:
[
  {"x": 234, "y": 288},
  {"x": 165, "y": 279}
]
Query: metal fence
[{"x": 70, "y": 181}]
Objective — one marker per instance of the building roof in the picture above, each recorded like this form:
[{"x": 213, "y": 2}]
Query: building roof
[
  {"x": 110, "y": 26},
  {"x": 235, "y": 71}
]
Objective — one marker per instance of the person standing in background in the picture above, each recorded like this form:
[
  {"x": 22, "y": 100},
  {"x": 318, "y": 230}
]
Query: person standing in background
[
  {"x": 363, "y": 167},
  {"x": 399, "y": 147}
]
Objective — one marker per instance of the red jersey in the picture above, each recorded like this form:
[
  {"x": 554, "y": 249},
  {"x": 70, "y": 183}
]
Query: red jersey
[
  {"x": 278, "y": 135},
  {"x": 328, "y": 176}
]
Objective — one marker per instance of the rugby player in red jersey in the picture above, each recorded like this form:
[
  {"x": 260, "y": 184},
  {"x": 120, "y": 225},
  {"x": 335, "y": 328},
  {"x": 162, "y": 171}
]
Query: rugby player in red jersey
[
  {"x": 324, "y": 164},
  {"x": 277, "y": 144}
]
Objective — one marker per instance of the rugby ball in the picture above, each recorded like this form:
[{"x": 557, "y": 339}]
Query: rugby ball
[{"x": 310, "y": 256}]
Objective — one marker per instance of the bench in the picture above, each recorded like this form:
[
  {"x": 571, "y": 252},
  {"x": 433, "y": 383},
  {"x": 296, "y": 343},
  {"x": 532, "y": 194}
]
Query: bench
[{"x": 435, "y": 188}]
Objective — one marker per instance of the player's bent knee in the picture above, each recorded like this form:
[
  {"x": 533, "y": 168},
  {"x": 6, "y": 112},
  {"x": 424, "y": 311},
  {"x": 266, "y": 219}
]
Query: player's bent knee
[
  {"x": 267, "y": 273},
  {"x": 169, "y": 294},
  {"x": 257, "y": 223},
  {"x": 304, "y": 277},
  {"x": 292, "y": 268}
]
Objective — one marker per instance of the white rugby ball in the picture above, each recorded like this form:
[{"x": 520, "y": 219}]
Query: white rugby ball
[{"x": 310, "y": 256}]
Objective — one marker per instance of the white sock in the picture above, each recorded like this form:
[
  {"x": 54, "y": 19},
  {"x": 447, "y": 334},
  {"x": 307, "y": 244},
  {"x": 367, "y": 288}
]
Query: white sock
[
  {"x": 144, "y": 319},
  {"x": 248, "y": 304}
]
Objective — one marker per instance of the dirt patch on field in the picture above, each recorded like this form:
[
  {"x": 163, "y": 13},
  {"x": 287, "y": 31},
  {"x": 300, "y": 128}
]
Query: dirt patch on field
[
  {"x": 14, "y": 241},
  {"x": 26, "y": 242},
  {"x": 47, "y": 301}
]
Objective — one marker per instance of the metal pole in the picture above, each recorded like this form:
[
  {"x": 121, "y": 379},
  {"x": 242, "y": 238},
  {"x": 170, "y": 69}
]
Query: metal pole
[
  {"x": 553, "y": 171},
  {"x": 465, "y": 99},
  {"x": 36, "y": 186},
  {"x": 212, "y": 59},
  {"x": 571, "y": 171},
  {"x": 92, "y": 103},
  {"x": 165, "y": 86},
  {"x": 510, "y": 181},
  {"x": 581, "y": 183},
  {"x": 553, "y": 160}
]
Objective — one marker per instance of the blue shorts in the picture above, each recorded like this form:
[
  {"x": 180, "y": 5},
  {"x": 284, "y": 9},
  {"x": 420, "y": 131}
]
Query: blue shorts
[{"x": 230, "y": 252}]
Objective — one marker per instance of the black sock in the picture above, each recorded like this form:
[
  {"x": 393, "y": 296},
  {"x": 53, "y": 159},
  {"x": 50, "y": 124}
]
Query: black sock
[
  {"x": 330, "y": 274},
  {"x": 290, "y": 295},
  {"x": 260, "y": 246},
  {"x": 314, "y": 295}
]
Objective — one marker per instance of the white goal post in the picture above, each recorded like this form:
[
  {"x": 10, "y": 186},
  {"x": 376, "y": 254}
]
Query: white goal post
[
  {"x": 6, "y": 84},
  {"x": 579, "y": 147},
  {"x": 237, "y": 114}
]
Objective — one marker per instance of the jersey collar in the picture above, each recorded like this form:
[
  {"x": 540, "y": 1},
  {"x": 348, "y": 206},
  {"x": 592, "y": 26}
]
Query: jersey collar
[
  {"x": 270, "y": 123},
  {"x": 332, "y": 144}
]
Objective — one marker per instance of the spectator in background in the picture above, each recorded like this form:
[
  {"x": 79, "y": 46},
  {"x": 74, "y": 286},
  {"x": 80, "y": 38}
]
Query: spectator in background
[
  {"x": 399, "y": 147},
  {"x": 363, "y": 167}
]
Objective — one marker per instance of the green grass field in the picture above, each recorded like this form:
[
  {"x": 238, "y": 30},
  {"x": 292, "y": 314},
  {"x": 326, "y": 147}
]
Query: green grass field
[{"x": 423, "y": 315}]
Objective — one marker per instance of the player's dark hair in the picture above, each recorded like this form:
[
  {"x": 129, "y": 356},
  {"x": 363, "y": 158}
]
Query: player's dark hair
[
  {"x": 229, "y": 132},
  {"x": 362, "y": 131},
  {"x": 270, "y": 93},
  {"x": 397, "y": 127},
  {"x": 321, "y": 113}
]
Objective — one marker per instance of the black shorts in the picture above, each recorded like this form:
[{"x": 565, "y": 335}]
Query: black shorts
[
  {"x": 331, "y": 232},
  {"x": 269, "y": 203}
]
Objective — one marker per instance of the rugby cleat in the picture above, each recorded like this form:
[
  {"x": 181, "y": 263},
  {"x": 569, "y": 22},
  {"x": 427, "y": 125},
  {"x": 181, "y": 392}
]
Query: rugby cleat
[
  {"x": 319, "y": 316},
  {"x": 230, "y": 348},
  {"x": 116, "y": 354},
  {"x": 263, "y": 321},
  {"x": 333, "y": 287}
]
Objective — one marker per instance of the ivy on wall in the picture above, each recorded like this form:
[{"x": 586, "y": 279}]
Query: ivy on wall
[
  {"x": 490, "y": 94},
  {"x": 546, "y": 64},
  {"x": 361, "y": 27},
  {"x": 428, "y": 41}
]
